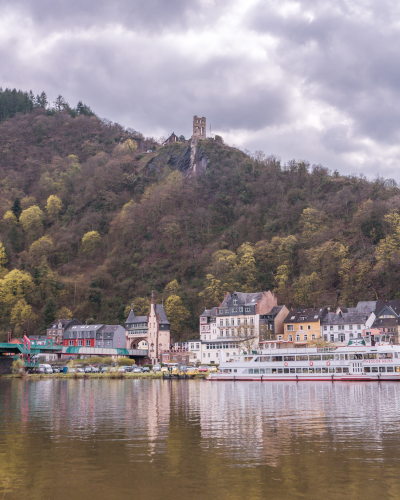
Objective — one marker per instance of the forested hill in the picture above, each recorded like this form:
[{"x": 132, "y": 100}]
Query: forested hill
[{"x": 91, "y": 222}]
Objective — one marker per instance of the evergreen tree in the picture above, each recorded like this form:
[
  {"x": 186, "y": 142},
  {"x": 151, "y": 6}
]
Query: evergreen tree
[
  {"x": 16, "y": 208},
  {"x": 49, "y": 311},
  {"x": 82, "y": 109}
]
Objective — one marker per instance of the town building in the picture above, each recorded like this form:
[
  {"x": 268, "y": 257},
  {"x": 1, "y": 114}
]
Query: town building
[
  {"x": 386, "y": 323},
  {"x": 56, "y": 330},
  {"x": 111, "y": 336},
  {"x": 348, "y": 323},
  {"x": 303, "y": 325},
  {"x": 81, "y": 335},
  {"x": 172, "y": 138},
  {"x": 151, "y": 332},
  {"x": 237, "y": 325}
]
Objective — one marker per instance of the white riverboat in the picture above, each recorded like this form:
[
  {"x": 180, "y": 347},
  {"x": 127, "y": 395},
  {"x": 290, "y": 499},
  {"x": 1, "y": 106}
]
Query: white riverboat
[{"x": 349, "y": 363}]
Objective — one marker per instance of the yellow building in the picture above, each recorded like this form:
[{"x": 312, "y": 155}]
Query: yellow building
[{"x": 303, "y": 325}]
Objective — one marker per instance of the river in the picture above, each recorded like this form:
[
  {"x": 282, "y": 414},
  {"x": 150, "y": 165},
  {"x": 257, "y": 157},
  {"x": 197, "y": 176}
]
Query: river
[{"x": 181, "y": 440}]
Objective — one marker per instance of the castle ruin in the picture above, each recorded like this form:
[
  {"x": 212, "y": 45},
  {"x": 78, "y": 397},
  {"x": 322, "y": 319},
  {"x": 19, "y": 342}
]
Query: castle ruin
[{"x": 199, "y": 127}]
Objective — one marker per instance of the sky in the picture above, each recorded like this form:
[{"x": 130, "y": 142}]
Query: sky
[{"x": 305, "y": 80}]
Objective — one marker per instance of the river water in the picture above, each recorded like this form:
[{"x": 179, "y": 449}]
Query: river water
[{"x": 181, "y": 440}]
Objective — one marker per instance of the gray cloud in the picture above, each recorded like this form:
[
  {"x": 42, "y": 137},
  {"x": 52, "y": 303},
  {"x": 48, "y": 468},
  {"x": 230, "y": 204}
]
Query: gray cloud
[{"x": 312, "y": 80}]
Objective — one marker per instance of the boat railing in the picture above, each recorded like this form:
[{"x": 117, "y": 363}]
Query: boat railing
[{"x": 326, "y": 349}]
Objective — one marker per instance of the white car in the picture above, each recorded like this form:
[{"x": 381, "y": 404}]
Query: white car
[{"x": 121, "y": 370}]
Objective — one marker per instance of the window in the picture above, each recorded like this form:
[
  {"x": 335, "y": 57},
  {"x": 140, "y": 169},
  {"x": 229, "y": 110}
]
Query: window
[
  {"x": 325, "y": 328},
  {"x": 289, "y": 328},
  {"x": 70, "y": 335},
  {"x": 247, "y": 309},
  {"x": 233, "y": 321},
  {"x": 80, "y": 342},
  {"x": 305, "y": 337},
  {"x": 235, "y": 301},
  {"x": 358, "y": 327},
  {"x": 233, "y": 332},
  {"x": 308, "y": 327},
  {"x": 297, "y": 337},
  {"x": 238, "y": 321},
  {"x": 71, "y": 342},
  {"x": 208, "y": 354},
  {"x": 350, "y": 327},
  {"x": 331, "y": 328},
  {"x": 108, "y": 343},
  {"x": 221, "y": 322},
  {"x": 227, "y": 322},
  {"x": 290, "y": 338},
  {"x": 251, "y": 321},
  {"x": 301, "y": 327},
  {"x": 204, "y": 354},
  {"x": 313, "y": 336},
  {"x": 326, "y": 338},
  {"x": 88, "y": 342},
  {"x": 279, "y": 337},
  {"x": 245, "y": 321},
  {"x": 332, "y": 338}
]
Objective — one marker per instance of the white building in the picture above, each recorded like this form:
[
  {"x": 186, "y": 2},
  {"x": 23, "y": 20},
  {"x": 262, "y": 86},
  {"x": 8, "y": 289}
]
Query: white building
[{"x": 348, "y": 323}]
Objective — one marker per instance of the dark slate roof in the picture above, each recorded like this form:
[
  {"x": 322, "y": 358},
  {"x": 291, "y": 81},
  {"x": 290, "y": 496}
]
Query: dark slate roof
[
  {"x": 393, "y": 304},
  {"x": 206, "y": 312},
  {"x": 138, "y": 319},
  {"x": 131, "y": 317},
  {"x": 38, "y": 337},
  {"x": 80, "y": 328},
  {"x": 162, "y": 314},
  {"x": 308, "y": 314},
  {"x": 245, "y": 298},
  {"x": 349, "y": 318},
  {"x": 385, "y": 322},
  {"x": 64, "y": 323},
  {"x": 274, "y": 311},
  {"x": 109, "y": 328}
]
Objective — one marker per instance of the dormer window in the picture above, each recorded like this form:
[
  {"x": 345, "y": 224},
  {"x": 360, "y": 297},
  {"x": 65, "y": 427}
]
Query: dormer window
[{"x": 235, "y": 302}]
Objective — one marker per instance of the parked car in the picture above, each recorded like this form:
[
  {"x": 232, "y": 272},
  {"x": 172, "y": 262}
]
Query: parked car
[
  {"x": 88, "y": 369},
  {"x": 156, "y": 368},
  {"x": 164, "y": 369},
  {"x": 45, "y": 368},
  {"x": 145, "y": 369},
  {"x": 203, "y": 368},
  {"x": 121, "y": 369},
  {"x": 113, "y": 369},
  {"x": 138, "y": 370},
  {"x": 56, "y": 369},
  {"x": 95, "y": 369},
  {"x": 80, "y": 370},
  {"x": 104, "y": 369},
  {"x": 71, "y": 370}
]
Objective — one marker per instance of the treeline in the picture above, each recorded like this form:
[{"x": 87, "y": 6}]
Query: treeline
[
  {"x": 91, "y": 223},
  {"x": 17, "y": 101}
]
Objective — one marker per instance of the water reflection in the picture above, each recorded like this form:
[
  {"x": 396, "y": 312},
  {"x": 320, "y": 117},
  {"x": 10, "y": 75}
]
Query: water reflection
[{"x": 194, "y": 439}]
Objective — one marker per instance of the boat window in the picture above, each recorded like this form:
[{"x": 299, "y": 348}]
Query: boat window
[
  {"x": 326, "y": 357},
  {"x": 262, "y": 371},
  {"x": 250, "y": 370},
  {"x": 268, "y": 370},
  {"x": 302, "y": 358},
  {"x": 331, "y": 370},
  {"x": 356, "y": 356},
  {"x": 264, "y": 358},
  {"x": 289, "y": 358},
  {"x": 374, "y": 369},
  {"x": 292, "y": 370},
  {"x": 286, "y": 370},
  {"x": 339, "y": 370},
  {"x": 318, "y": 370},
  {"x": 256, "y": 372},
  {"x": 311, "y": 370},
  {"x": 274, "y": 371},
  {"x": 345, "y": 369},
  {"x": 337, "y": 357},
  {"x": 395, "y": 355},
  {"x": 344, "y": 356},
  {"x": 324, "y": 370},
  {"x": 248, "y": 358},
  {"x": 235, "y": 371},
  {"x": 382, "y": 369},
  {"x": 298, "y": 370},
  {"x": 385, "y": 355},
  {"x": 370, "y": 356},
  {"x": 389, "y": 369},
  {"x": 367, "y": 369},
  {"x": 276, "y": 358},
  {"x": 257, "y": 359},
  {"x": 315, "y": 357},
  {"x": 305, "y": 370},
  {"x": 280, "y": 370}
]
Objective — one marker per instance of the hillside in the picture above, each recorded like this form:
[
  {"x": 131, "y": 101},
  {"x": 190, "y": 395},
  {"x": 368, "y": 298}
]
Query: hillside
[{"x": 151, "y": 223}]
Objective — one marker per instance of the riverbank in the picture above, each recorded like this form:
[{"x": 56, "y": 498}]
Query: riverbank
[{"x": 38, "y": 376}]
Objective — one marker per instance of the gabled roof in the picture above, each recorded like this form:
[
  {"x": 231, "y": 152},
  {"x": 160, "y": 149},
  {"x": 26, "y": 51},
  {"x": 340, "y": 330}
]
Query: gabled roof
[
  {"x": 295, "y": 316},
  {"x": 109, "y": 328},
  {"x": 64, "y": 323},
  {"x": 138, "y": 319},
  {"x": 349, "y": 318},
  {"x": 385, "y": 322}
]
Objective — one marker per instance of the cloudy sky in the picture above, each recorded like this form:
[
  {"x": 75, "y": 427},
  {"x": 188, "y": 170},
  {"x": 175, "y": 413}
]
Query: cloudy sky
[{"x": 315, "y": 80}]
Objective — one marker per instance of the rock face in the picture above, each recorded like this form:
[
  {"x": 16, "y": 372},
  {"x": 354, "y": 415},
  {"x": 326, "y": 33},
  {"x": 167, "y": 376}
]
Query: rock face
[{"x": 186, "y": 157}]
